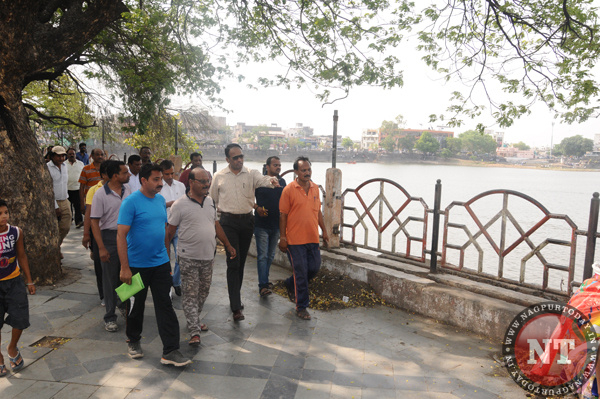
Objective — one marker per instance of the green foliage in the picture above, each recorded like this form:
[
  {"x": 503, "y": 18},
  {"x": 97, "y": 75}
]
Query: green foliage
[
  {"x": 537, "y": 50},
  {"x": 453, "y": 145},
  {"x": 388, "y": 143},
  {"x": 521, "y": 146},
  {"x": 264, "y": 143},
  {"x": 575, "y": 146},
  {"x": 347, "y": 143},
  {"x": 477, "y": 143},
  {"x": 59, "y": 109},
  {"x": 427, "y": 144},
  {"x": 388, "y": 128},
  {"x": 160, "y": 137},
  {"x": 407, "y": 143}
]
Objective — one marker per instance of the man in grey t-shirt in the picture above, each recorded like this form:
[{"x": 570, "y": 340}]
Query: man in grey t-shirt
[{"x": 196, "y": 216}]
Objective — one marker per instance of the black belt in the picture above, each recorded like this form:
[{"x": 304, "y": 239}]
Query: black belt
[{"x": 237, "y": 215}]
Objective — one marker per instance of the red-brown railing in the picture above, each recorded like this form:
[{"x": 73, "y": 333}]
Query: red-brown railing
[{"x": 367, "y": 213}]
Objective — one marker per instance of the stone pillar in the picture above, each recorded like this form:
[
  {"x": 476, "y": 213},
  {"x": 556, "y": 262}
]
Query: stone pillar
[
  {"x": 332, "y": 208},
  {"x": 177, "y": 164}
]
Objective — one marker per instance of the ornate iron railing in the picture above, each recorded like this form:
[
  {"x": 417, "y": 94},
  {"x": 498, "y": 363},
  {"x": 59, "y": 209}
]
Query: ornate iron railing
[
  {"x": 382, "y": 206},
  {"x": 367, "y": 213},
  {"x": 501, "y": 245}
]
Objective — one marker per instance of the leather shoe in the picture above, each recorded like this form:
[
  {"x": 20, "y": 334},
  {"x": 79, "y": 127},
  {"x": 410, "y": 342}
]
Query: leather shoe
[
  {"x": 238, "y": 315},
  {"x": 177, "y": 290}
]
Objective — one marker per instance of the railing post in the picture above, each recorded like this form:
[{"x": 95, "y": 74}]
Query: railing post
[
  {"x": 590, "y": 248},
  {"x": 436, "y": 226},
  {"x": 214, "y": 167},
  {"x": 125, "y": 157}
]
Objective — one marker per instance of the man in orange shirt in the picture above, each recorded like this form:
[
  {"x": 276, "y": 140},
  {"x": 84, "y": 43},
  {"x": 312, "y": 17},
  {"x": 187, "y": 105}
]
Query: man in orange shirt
[{"x": 301, "y": 217}]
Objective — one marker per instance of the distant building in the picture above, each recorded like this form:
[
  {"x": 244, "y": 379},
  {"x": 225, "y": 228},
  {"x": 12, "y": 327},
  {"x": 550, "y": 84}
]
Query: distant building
[
  {"x": 299, "y": 131},
  {"x": 596, "y": 142},
  {"x": 513, "y": 152},
  {"x": 497, "y": 136},
  {"x": 241, "y": 128},
  {"x": 369, "y": 136}
]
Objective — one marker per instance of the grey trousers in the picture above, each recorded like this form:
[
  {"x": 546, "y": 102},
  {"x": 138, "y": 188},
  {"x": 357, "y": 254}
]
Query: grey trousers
[{"x": 110, "y": 275}]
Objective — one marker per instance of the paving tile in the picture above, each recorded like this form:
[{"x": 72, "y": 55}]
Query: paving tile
[
  {"x": 347, "y": 379},
  {"x": 71, "y": 391},
  {"x": 255, "y": 358},
  {"x": 104, "y": 363},
  {"x": 317, "y": 376},
  {"x": 206, "y": 367},
  {"x": 11, "y": 387},
  {"x": 377, "y": 393},
  {"x": 317, "y": 363},
  {"x": 126, "y": 377},
  {"x": 310, "y": 390},
  {"x": 288, "y": 360},
  {"x": 249, "y": 371},
  {"x": 279, "y": 387},
  {"x": 294, "y": 374},
  {"x": 41, "y": 390},
  {"x": 159, "y": 379},
  {"x": 380, "y": 381},
  {"x": 223, "y": 386},
  {"x": 145, "y": 394},
  {"x": 111, "y": 393},
  {"x": 345, "y": 392},
  {"x": 66, "y": 373}
]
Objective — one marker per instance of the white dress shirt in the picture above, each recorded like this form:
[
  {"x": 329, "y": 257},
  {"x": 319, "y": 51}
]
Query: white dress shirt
[
  {"x": 74, "y": 171},
  {"x": 60, "y": 179},
  {"x": 172, "y": 192},
  {"x": 134, "y": 182}
]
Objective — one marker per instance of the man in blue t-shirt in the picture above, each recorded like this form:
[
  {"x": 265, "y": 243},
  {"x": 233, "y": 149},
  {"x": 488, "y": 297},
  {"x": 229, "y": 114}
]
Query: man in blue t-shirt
[
  {"x": 141, "y": 247},
  {"x": 266, "y": 225}
]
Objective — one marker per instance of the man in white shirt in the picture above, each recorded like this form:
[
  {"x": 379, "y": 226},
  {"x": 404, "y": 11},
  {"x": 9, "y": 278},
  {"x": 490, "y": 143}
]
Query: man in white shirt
[
  {"x": 74, "y": 168},
  {"x": 134, "y": 163},
  {"x": 172, "y": 190},
  {"x": 60, "y": 179}
]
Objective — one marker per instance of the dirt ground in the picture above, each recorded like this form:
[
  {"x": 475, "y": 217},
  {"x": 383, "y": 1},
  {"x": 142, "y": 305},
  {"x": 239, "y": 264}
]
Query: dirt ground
[{"x": 328, "y": 289}]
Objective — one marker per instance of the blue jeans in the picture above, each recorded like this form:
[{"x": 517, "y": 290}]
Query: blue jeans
[
  {"x": 266, "y": 244},
  {"x": 306, "y": 262},
  {"x": 176, "y": 271}
]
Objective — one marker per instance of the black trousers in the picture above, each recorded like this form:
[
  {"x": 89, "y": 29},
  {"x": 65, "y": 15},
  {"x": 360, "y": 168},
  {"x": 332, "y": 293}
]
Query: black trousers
[
  {"x": 97, "y": 265},
  {"x": 75, "y": 206},
  {"x": 159, "y": 280},
  {"x": 110, "y": 275},
  {"x": 239, "y": 231}
]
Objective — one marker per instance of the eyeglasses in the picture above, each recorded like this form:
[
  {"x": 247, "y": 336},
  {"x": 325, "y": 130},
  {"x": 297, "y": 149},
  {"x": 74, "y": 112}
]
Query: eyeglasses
[
  {"x": 201, "y": 181},
  {"x": 241, "y": 156}
]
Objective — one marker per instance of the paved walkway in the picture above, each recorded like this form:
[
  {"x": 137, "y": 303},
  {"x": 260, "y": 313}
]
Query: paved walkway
[{"x": 355, "y": 353}]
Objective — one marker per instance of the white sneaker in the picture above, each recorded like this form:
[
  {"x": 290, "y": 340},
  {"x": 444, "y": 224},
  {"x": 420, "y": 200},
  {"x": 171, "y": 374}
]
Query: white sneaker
[{"x": 111, "y": 326}]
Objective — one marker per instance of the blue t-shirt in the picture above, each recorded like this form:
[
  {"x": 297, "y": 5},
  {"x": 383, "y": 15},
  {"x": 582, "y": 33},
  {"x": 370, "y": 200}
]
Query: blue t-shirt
[
  {"x": 146, "y": 238},
  {"x": 269, "y": 198}
]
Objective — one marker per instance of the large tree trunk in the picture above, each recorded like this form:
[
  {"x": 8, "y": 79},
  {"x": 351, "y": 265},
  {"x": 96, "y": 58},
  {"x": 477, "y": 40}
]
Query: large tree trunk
[
  {"x": 40, "y": 40},
  {"x": 27, "y": 187}
]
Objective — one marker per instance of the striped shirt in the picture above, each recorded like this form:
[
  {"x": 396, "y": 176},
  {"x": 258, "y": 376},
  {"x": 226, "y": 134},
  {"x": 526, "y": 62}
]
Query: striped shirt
[{"x": 90, "y": 176}]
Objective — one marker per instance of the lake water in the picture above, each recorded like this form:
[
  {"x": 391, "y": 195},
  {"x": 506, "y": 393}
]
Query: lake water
[{"x": 560, "y": 192}]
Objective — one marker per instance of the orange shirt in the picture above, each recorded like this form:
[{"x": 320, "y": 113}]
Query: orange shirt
[
  {"x": 302, "y": 212},
  {"x": 90, "y": 176}
]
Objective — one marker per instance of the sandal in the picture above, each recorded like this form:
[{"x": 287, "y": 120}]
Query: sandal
[
  {"x": 303, "y": 314},
  {"x": 265, "y": 292},
  {"x": 195, "y": 340},
  {"x": 3, "y": 370},
  {"x": 18, "y": 365},
  {"x": 203, "y": 327}
]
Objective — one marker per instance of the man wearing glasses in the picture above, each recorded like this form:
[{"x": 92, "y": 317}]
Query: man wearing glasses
[{"x": 232, "y": 190}]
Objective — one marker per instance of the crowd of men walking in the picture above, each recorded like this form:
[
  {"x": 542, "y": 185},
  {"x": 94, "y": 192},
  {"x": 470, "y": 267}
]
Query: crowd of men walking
[{"x": 133, "y": 214}]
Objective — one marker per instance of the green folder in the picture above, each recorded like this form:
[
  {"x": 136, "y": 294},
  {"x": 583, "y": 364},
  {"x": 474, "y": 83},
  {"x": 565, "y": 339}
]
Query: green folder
[{"x": 126, "y": 291}]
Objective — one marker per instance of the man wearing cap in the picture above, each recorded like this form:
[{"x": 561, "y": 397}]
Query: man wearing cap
[{"x": 60, "y": 179}]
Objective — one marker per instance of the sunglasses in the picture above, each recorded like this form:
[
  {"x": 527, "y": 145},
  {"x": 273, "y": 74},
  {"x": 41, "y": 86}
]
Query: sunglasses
[{"x": 241, "y": 156}]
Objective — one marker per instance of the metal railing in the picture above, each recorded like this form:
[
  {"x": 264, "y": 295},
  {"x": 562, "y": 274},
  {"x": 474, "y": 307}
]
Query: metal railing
[
  {"x": 395, "y": 222},
  {"x": 382, "y": 206}
]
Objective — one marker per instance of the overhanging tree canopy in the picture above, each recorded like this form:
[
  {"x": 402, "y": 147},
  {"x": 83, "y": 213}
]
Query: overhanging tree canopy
[{"x": 146, "y": 51}]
